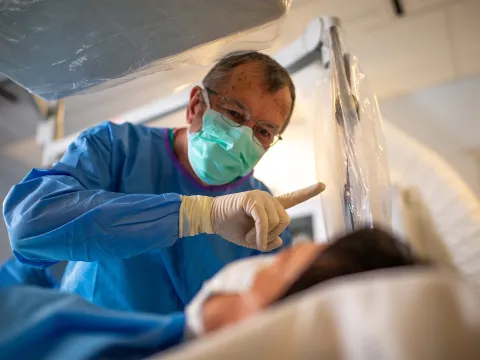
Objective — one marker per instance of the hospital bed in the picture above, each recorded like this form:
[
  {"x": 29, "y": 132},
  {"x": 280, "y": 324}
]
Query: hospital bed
[{"x": 411, "y": 315}]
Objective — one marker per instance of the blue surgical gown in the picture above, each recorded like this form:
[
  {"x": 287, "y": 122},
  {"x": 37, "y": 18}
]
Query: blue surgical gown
[
  {"x": 13, "y": 272},
  {"x": 111, "y": 208},
  {"x": 40, "y": 323}
]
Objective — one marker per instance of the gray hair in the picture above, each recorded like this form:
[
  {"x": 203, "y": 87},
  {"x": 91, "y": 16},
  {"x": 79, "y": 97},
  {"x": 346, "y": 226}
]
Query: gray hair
[{"x": 276, "y": 77}]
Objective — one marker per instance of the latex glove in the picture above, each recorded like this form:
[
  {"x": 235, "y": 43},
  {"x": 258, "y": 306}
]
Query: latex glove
[{"x": 252, "y": 219}]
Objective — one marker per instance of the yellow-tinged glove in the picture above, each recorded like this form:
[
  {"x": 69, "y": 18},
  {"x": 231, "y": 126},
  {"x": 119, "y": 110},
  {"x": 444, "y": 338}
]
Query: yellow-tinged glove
[{"x": 252, "y": 219}]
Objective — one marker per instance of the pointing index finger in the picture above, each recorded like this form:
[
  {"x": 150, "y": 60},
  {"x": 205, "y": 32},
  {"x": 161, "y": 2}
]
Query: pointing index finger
[{"x": 297, "y": 197}]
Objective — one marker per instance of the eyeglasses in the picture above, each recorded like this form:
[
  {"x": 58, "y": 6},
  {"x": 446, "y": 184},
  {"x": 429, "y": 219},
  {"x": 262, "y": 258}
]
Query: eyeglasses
[{"x": 237, "y": 114}]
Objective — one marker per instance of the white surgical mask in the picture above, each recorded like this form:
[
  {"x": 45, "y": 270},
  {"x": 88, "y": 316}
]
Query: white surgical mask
[{"x": 234, "y": 278}]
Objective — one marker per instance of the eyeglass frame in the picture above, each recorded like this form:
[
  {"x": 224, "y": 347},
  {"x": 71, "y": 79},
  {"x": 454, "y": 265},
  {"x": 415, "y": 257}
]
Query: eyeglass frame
[{"x": 255, "y": 122}]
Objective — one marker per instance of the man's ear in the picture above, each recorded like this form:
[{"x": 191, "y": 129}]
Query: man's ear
[{"x": 194, "y": 104}]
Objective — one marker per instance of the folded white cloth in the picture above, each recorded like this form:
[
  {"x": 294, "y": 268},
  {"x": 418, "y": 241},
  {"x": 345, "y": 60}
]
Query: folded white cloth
[{"x": 234, "y": 278}]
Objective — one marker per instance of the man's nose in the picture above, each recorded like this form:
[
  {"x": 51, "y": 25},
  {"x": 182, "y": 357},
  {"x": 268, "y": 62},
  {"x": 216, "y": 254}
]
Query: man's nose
[{"x": 250, "y": 123}]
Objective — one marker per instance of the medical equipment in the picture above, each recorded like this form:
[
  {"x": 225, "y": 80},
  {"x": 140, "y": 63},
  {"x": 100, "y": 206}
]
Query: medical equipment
[{"x": 57, "y": 48}]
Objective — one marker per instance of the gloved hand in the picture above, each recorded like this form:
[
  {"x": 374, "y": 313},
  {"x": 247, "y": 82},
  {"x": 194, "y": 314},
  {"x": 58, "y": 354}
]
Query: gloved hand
[{"x": 252, "y": 219}]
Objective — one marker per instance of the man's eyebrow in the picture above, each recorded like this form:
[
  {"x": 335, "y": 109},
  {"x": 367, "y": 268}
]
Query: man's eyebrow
[
  {"x": 242, "y": 105},
  {"x": 269, "y": 125},
  {"x": 245, "y": 107}
]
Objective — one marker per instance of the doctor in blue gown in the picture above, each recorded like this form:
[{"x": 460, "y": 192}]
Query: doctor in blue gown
[{"x": 145, "y": 215}]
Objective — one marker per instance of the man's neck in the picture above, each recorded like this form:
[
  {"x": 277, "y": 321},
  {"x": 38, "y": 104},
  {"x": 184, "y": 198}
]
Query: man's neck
[{"x": 180, "y": 148}]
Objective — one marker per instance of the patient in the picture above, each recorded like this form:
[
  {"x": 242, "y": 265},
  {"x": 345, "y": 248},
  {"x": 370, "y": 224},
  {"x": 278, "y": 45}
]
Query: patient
[
  {"x": 44, "y": 323},
  {"x": 248, "y": 286}
]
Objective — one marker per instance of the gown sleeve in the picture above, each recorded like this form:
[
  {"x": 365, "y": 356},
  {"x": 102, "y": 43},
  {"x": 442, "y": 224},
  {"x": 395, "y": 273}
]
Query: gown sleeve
[
  {"x": 46, "y": 324},
  {"x": 70, "y": 212},
  {"x": 13, "y": 272}
]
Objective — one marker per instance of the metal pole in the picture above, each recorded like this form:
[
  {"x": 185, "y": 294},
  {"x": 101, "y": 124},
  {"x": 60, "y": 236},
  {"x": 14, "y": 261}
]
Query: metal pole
[{"x": 346, "y": 113}]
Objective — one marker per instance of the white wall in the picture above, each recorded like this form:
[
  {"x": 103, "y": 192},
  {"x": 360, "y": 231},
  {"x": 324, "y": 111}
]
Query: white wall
[
  {"x": 18, "y": 150},
  {"x": 445, "y": 118}
]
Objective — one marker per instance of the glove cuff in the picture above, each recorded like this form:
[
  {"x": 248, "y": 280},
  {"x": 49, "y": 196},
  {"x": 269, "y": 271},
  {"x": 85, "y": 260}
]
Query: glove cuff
[{"x": 195, "y": 216}]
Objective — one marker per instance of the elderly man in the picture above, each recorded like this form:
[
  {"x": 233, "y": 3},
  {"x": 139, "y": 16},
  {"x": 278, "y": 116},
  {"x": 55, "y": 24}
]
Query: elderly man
[{"x": 144, "y": 216}]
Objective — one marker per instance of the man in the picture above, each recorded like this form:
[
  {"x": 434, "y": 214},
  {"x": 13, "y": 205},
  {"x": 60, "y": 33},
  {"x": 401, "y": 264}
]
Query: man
[
  {"x": 122, "y": 206},
  {"x": 34, "y": 316}
]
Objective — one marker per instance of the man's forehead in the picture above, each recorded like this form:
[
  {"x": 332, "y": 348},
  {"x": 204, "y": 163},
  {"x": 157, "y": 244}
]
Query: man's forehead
[
  {"x": 247, "y": 75},
  {"x": 247, "y": 84}
]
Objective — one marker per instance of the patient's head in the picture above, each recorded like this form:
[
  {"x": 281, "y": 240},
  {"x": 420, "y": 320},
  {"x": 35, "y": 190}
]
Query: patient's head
[
  {"x": 303, "y": 266},
  {"x": 361, "y": 251}
]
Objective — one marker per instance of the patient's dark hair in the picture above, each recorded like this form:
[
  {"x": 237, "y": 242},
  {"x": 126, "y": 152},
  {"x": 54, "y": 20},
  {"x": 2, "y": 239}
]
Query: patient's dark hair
[{"x": 361, "y": 251}]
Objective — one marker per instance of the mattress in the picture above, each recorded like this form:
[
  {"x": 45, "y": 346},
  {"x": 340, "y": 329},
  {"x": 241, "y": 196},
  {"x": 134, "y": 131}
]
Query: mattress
[{"x": 56, "y": 48}]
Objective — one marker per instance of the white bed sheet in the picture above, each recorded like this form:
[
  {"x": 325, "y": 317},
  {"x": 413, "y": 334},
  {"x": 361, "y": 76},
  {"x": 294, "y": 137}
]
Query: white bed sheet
[{"x": 414, "y": 314}]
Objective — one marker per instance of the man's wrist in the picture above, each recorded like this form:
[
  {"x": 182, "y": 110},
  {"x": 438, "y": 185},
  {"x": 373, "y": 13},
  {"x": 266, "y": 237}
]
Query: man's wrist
[{"x": 195, "y": 216}]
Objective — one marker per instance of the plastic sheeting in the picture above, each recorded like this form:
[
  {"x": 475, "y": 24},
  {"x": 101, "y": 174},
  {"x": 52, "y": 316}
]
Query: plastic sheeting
[
  {"x": 350, "y": 147},
  {"x": 56, "y": 48}
]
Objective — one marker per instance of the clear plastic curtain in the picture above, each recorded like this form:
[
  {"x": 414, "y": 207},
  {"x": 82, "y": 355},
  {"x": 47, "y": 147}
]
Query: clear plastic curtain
[{"x": 350, "y": 146}]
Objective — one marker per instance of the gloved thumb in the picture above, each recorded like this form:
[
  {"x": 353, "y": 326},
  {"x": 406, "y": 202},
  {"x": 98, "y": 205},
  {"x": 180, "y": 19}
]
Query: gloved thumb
[{"x": 297, "y": 197}]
